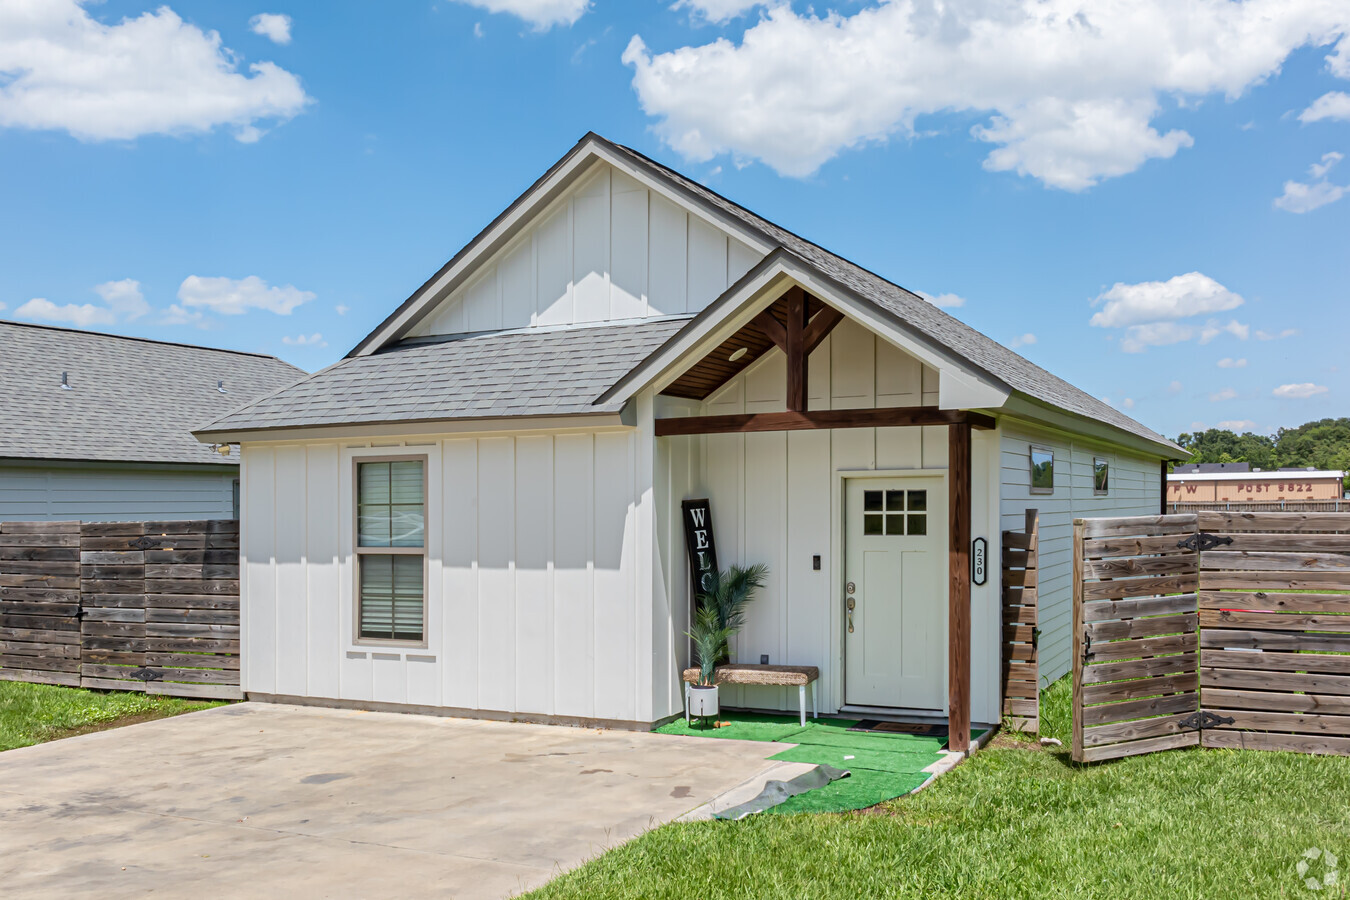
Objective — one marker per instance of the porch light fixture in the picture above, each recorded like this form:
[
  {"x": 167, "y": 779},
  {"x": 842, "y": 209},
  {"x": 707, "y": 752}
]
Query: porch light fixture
[{"x": 738, "y": 354}]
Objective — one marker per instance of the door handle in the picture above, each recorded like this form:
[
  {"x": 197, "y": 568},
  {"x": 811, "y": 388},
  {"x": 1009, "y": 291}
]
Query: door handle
[{"x": 852, "y": 602}]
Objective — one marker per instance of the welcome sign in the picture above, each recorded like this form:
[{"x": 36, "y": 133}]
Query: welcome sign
[{"x": 699, "y": 542}]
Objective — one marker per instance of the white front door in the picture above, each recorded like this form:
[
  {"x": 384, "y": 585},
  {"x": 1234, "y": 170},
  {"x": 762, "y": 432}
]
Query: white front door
[{"x": 895, "y": 638}]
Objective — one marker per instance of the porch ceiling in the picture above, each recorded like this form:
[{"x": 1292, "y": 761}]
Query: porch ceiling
[{"x": 716, "y": 368}]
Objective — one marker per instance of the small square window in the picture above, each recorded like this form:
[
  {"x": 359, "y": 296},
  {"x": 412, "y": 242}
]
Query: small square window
[
  {"x": 918, "y": 501},
  {"x": 872, "y": 501},
  {"x": 872, "y": 524},
  {"x": 895, "y": 501},
  {"x": 918, "y": 524},
  {"x": 895, "y": 524},
  {"x": 1042, "y": 470},
  {"x": 1101, "y": 477}
]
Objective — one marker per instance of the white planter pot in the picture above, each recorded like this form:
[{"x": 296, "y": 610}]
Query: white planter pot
[{"x": 703, "y": 700}]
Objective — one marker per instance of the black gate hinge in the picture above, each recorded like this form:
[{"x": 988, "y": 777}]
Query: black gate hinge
[
  {"x": 1203, "y": 540},
  {"x": 1203, "y": 719},
  {"x": 1087, "y": 646}
]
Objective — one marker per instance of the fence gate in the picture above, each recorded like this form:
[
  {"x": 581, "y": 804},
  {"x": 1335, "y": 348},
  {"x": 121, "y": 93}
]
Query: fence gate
[
  {"x": 1135, "y": 623},
  {"x": 1021, "y": 673},
  {"x": 1223, "y": 629}
]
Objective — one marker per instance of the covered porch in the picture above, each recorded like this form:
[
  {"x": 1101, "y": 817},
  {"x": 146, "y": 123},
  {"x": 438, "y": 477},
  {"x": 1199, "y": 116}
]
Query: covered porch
[{"x": 825, "y": 450}]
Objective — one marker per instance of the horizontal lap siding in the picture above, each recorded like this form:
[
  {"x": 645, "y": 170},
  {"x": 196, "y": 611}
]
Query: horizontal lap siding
[
  {"x": 111, "y": 494},
  {"x": 1135, "y": 490},
  {"x": 531, "y": 581}
]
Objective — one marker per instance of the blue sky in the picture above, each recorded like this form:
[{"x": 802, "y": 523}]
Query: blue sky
[{"x": 1146, "y": 198}]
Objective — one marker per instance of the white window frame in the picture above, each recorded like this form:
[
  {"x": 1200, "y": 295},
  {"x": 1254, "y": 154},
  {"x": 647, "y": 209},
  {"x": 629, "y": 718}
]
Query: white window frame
[
  {"x": 358, "y": 551},
  {"x": 1106, "y": 491},
  {"x": 1031, "y": 469}
]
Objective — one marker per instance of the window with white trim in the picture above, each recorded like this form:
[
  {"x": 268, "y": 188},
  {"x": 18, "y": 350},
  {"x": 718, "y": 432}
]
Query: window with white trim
[
  {"x": 1101, "y": 476},
  {"x": 391, "y": 550}
]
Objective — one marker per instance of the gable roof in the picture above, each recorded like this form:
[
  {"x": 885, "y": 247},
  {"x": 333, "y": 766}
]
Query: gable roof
[
  {"x": 906, "y": 310},
  {"x": 525, "y": 372},
  {"x": 130, "y": 399}
]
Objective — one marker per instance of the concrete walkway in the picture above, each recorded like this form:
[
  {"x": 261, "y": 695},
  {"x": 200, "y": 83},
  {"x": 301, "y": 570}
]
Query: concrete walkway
[{"x": 283, "y": 801}]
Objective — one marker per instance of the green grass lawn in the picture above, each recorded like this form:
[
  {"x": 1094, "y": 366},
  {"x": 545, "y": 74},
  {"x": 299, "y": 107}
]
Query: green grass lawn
[
  {"x": 33, "y": 713},
  {"x": 1018, "y": 821}
]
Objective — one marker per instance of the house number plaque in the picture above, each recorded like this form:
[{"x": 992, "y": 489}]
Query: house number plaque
[{"x": 979, "y": 552}]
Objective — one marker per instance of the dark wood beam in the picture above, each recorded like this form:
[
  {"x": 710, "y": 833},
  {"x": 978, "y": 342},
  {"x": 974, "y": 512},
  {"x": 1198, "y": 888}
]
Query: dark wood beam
[
  {"x": 772, "y": 328},
  {"x": 820, "y": 327},
  {"x": 822, "y": 418},
  {"x": 796, "y": 351},
  {"x": 958, "y": 588}
]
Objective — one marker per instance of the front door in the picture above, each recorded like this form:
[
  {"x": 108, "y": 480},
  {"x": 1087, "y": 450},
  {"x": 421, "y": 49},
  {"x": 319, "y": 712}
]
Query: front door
[{"x": 895, "y": 639}]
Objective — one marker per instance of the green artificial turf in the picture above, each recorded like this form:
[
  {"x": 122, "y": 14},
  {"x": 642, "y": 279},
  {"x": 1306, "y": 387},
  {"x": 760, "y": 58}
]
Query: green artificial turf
[
  {"x": 881, "y": 766},
  {"x": 1017, "y": 821}
]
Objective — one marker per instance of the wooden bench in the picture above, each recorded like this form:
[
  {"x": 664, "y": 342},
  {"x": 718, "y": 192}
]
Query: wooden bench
[{"x": 801, "y": 676}]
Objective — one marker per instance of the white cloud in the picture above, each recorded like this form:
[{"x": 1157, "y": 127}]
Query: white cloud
[
  {"x": 1179, "y": 297},
  {"x": 122, "y": 302},
  {"x": 341, "y": 309},
  {"x": 1299, "y": 391},
  {"x": 1220, "y": 396},
  {"x": 177, "y": 315},
  {"x": 1229, "y": 363},
  {"x": 1175, "y": 387},
  {"x": 946, "y": 301},
  {"x": 716, "y": 11},
  {"x": 1024, "y": 340},
  {"x": 232, "y": 297},
  {"x": 1069, "y": 90},
  {"x": 123, "y": 298},
  {"x": 63, "y": 70},
  {"x": 1301, "y": 197},
  {"x": 1213, "y": 329},
  {"x": 1127, "y": 403},
  {"x": 542, "y": 14},
  {"x": 1333, "y": 105},
  {"x": 478, "y": 30},
  {"x": 306, "y": 340},
  {"x": 1276, "y": 336},
  {"x": 1238, "y": 425},
  {"x": 273, "y": 26}
]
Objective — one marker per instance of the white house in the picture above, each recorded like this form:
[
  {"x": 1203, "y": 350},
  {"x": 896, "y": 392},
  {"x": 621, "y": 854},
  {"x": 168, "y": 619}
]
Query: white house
[
  {"x": 478, "y": 510},
  {"x": 98, "y": 427}
]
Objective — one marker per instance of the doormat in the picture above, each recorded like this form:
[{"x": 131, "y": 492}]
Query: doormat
[{"x": 916, "y": 728}]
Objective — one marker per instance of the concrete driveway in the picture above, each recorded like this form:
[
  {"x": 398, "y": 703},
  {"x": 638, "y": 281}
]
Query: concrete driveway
[{"x": 286, "y": 801}]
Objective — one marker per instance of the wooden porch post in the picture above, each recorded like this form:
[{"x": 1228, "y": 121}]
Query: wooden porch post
[{"x": 958, "y": 588}]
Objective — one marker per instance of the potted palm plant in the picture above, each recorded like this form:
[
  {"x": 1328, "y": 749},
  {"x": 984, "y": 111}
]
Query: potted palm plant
[{"x": 720, "y": 614}]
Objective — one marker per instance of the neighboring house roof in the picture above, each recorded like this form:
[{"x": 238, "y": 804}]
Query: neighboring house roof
[
  {"x": 525, "y": 372},
  {"x": 907, "y": 310},
  {"x": 1193, "y": 468},
  {"x": 129, "y": 399}
]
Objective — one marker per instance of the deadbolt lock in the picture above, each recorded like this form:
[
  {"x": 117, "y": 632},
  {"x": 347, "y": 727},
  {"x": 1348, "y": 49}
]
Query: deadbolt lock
[{"x": 851, "y": 587}]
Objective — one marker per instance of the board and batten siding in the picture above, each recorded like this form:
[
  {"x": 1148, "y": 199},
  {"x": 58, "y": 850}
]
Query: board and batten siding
[
  {"x": 607, "y": 250},
  {"x": 94, "y": 492},
  {"x": 532, "y": 571},
  {"x": 776, "y": 499},
  {"x": 1135, "y": 490}
]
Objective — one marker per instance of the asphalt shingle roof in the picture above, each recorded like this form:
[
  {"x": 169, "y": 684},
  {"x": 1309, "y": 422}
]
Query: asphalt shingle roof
[
  {"x": 1011, "y": 368},
  {"x": 533, "y": 372},
  {"x": 130, "y": 400}
]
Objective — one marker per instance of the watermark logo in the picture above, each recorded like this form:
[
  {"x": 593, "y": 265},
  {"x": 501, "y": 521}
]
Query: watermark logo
[{"x": 1317, "y": 869}]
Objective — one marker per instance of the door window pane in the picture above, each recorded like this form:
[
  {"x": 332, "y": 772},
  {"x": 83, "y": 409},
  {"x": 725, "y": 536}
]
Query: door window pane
[
  {"x": 918, "y": 501},
  {"x": 872, "y": 524},
  {"x": 895, "y": 524},
  {"x": 895, "y": 501},
  {"x": 918, "y": 524},
  {"x": 872, "y": 501}
]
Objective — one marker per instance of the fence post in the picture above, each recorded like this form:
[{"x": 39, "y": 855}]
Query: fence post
[{"x": 1076, "y": 664}]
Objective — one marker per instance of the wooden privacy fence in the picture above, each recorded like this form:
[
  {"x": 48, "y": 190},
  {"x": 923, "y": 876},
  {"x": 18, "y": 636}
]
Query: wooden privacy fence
[
  {"x": 1218, "y": 629},
  {"x": 1020, "y": 671},
  {"x": 141, "y": 606}
]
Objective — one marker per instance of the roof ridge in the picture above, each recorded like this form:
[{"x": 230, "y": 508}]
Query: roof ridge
[{"x": 128, "y": 337}]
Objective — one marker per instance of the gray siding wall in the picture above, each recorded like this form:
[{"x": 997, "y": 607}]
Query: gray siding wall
[
  {"x": 110, "y": 493},
  {"x": 1135, "y": 490}
]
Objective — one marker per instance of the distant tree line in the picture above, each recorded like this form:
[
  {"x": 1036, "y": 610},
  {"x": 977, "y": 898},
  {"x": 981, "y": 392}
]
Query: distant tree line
[{"x": 1324, "y": 444}]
